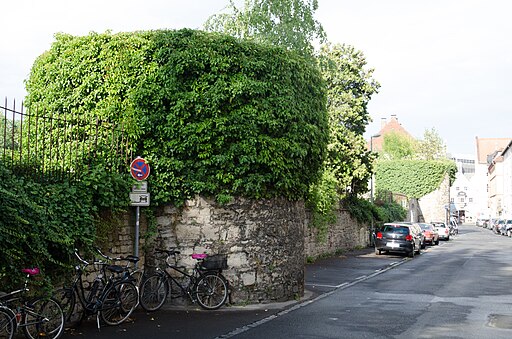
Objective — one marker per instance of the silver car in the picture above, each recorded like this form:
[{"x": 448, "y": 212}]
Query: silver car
[{"x": 442, "y": 229}]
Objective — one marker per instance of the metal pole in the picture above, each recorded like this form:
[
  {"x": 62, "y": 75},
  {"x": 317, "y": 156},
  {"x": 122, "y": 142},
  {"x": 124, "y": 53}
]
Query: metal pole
[
  {"x": 137, "y": 225},
  {"x": 371, "y": 197}
]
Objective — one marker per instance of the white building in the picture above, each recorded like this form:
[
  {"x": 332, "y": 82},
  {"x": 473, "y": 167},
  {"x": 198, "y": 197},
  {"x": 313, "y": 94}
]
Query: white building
[
  {"x": 490, "y": 174},
  {"x": 462, "y": 191},
  {"x": 506, "y": 167}
]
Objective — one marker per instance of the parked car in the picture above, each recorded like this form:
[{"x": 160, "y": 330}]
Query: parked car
[
  {"x": 508, "y": 227},
  {"x": 431, "y": 236},
  {"x": 442, "y": 230},
  {"x": 399, "y": 237},
  {"x": 499, "y": 227}
]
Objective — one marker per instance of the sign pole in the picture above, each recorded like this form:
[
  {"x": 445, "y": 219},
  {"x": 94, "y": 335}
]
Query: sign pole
[
  {"x": 137, "y": 226},
  {"x": 139, "y": 196}
]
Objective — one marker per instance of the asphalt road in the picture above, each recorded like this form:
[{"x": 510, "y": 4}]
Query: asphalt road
[{"x": 459, "y": 289}]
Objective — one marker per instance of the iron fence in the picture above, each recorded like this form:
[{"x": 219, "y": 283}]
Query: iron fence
[{"x": 54, "y": 147}]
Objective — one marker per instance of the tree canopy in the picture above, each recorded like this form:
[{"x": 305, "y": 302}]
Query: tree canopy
[{"x": 286, "y": 23}]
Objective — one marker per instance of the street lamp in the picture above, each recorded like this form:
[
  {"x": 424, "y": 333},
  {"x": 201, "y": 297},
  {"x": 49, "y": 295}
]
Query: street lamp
[{"x": 372, "y": 230}]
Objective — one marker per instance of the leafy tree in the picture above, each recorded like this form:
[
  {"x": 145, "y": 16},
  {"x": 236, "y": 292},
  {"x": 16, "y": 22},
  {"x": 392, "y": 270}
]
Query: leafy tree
[
  {"x": 432, "y": 147},
  {"x": 350, "y": 86},
  {"x": 9, "y": 135},
  {"x": 285, "y": 23},
  {"x": 398, "y": 146}
]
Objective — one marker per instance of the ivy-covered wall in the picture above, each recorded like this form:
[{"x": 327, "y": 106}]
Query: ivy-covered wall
[
  {"x": 212, "y": 114},
  {"x": 414, "y": 178}
]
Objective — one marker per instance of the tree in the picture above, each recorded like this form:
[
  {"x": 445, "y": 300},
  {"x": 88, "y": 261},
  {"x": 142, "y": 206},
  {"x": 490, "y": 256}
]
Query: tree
[
  {"x": 432, "y": 147},
  {"x": 398, "y": 146},
  {"x": 286, "y": 23},
  {"x": 350, "y": 86}
]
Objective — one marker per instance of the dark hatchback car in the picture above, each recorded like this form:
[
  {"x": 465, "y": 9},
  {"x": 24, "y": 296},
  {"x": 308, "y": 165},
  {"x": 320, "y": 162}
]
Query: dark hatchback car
[{"x": 399, "y": 237}]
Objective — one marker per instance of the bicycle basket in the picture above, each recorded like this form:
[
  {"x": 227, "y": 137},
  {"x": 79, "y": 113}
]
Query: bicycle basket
[{"x": 215, "y": 262}]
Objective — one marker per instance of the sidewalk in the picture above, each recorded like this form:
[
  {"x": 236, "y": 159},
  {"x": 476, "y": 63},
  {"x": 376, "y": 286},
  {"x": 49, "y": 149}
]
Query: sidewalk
[{"x": 181, "y": 319}]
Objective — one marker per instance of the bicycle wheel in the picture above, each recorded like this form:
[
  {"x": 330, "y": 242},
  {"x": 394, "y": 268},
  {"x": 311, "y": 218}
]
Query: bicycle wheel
[
  {"x": 153, "y": 292},
  {"x": 72, "y": 308},
  {"x": 118, "y": 302},
  {"x": 43, "y": 318},
  {"x": 7, "y": 323},
  {"x": 211, "y": 291}
]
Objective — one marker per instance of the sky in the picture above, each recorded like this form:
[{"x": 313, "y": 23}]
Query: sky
[{"x": 442, "y": 64}]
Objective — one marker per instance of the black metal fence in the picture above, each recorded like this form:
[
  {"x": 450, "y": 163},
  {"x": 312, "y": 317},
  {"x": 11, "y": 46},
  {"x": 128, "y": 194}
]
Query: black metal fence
[{"x": 53, "y": 147}]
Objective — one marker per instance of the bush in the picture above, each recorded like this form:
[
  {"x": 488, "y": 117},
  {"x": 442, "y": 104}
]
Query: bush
[
  {"x": 213, "y": 115},
  {"x": 41, "y": 223}
]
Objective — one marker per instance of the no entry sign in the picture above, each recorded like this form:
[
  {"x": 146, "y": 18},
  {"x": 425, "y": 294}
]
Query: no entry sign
[{"x": 139, "y": 169}]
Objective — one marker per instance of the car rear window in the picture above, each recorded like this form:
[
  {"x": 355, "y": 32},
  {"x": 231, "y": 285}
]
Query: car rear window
[{"x": 396, "y": 229}]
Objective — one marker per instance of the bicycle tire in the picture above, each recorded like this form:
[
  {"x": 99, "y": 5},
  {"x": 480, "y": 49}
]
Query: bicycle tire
[
  {"x": 211, "y": 291},
  {"x": 45, "y": 319},
  {"x": 154, "y": 292},
  {"x": 7, "y": 323},
  {"x": 73, "y": 310},
  {"x": 118, "y": 302}
]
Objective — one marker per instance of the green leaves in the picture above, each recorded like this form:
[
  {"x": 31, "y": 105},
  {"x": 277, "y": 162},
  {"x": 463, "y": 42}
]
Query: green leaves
[
  {"x": 414, "y": 178},
  {"x": 286, "y": 23},
  {"x": 213, "y": 115}
]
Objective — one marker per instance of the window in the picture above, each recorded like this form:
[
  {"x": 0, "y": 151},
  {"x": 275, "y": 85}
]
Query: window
[
  {"x": 452, "y": 200},
  {"x": 470, "y": 199},
  {"x": 461, "y": 200},
  {"x": 456, "y": 188},
  {"x": 465, "y": 188}
]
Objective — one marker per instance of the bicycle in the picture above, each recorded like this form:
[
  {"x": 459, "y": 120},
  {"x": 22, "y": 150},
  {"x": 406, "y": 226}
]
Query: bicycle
[
  {"x": 112, "y": 297},
  {"x": 7, "y": 323},
  {"x": 39, "y": 317},
  {"x": 205, "y": 285},
  {"x": 134, "y": 273}
]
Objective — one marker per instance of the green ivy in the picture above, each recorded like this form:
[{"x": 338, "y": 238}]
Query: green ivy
[
  {"x": 41, "y": 223},
  {"x": 414, "y": 178},
  {"x": 213, "y": 115}
]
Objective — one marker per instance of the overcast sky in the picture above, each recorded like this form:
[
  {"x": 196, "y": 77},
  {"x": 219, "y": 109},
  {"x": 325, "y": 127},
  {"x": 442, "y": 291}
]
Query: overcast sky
[{"x": 443, "y": 64}]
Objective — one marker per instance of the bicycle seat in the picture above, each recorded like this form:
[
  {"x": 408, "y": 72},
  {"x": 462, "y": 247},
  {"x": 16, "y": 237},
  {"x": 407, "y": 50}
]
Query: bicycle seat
[
  {"x": 199, "y": 256},
  {"x": 31, "y": 271}
]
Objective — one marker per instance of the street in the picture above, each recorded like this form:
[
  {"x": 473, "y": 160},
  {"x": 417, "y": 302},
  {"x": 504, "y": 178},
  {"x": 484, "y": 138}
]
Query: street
[{"x": 459, "y": 289}]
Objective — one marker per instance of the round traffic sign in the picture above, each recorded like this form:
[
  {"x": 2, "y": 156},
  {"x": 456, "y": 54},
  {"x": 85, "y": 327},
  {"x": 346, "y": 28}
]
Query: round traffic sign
[{"x": 139, "y": 169}]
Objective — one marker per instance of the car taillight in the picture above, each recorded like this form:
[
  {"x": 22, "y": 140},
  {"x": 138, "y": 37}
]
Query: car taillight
[
  {"x": 408, "y": 237},
  {"x": 379, "y": 235},
  {"x": 446, "y": 231}
]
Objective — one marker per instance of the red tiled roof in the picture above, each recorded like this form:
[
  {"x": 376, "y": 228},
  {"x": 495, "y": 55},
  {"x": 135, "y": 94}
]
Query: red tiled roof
[
  {"x": 393, "y": 126},
  {"x": 486, "y": 146}
]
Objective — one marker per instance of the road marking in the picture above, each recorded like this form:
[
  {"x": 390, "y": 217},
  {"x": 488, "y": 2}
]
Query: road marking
[{"x": 307, "y": 302}]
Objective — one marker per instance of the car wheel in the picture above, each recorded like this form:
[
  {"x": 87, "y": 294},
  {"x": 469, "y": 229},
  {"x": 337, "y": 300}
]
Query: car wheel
[
  {"x": 377, "y": 251},
  {"x": 423, "y": 245},
  {"x": 411, "y": 254},
  {"x": 437, "y": 241}
]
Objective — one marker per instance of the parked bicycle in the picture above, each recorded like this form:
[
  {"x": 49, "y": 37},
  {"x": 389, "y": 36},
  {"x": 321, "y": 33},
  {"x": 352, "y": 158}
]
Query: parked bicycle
[
  {"x": 132, "y": 272},
  {"x": 39, "y": 317},
  {"x": 7, "y": 323},
  {"x": 111, "y": 297},
  {"x": 205, "y": 285}
]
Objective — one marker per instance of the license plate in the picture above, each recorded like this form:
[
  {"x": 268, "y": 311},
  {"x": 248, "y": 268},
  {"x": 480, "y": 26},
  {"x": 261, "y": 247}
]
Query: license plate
[{"x": 393, "y": 245}]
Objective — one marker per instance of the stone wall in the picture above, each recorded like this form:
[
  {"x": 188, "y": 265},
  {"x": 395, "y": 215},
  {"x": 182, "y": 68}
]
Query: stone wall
[
  {"x": 345, "y": 235},
  {"x": 264, "y": 241},
  {"x": 432, "y": 205},
  {"x": 267, "y": 242}
]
